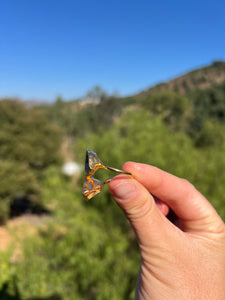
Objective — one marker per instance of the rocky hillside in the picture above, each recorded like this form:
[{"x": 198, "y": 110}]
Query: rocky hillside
[{"x": 197, "y": 79}]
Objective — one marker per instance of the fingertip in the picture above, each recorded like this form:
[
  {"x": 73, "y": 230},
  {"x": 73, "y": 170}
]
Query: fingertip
[
  {"x": 128, "y": 165},
  {"x": 139, "y": 168},
  {"x": 132, "y": 167}
]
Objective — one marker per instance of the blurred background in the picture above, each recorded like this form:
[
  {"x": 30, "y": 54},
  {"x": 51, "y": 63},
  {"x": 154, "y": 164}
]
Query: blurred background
[{"x": 131, "y": 80}]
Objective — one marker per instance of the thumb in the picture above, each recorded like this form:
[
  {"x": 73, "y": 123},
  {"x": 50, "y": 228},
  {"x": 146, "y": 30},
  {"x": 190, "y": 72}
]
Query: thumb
[{"x": 149, "y": 224}]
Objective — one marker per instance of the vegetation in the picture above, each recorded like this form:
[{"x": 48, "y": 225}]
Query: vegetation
[
  {"x": 87, "y": 250},
  {"x": 28, "y": 145}
]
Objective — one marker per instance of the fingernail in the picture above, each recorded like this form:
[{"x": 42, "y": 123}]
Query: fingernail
[{"x": 124, "y": 190}]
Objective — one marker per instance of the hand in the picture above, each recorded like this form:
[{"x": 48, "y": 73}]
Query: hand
[{"x": 185, "y": 260}]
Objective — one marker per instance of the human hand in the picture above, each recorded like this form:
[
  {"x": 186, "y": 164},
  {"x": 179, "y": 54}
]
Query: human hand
[{"x": 185, "y": 260}]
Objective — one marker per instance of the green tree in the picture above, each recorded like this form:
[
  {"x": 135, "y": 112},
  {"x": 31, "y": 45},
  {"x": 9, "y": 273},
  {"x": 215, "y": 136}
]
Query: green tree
[
  {"x": 96, "y": 93},
  {"x": 27, "y": 136},
  {"x": 28, "y": 145}
]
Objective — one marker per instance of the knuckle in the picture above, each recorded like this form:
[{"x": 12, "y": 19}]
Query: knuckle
[
  {"x": 187, "y": 183},
  {"x": 188, "y": 187},
  {"x": 141, "y": 210}
]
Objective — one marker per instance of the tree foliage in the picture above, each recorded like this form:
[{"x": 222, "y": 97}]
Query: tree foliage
[
  {"x": 27, "y": 136},
  {"x": 28, "y": 144}
]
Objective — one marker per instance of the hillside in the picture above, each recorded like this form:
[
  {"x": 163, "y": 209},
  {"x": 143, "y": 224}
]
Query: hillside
[{"x": 197, "y": 79}]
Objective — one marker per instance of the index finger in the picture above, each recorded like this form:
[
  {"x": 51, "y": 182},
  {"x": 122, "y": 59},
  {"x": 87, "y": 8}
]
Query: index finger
[{"x": 181, "y": 196}]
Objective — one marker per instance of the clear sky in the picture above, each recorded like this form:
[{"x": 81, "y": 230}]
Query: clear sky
[{"x": 65, "y": 47}]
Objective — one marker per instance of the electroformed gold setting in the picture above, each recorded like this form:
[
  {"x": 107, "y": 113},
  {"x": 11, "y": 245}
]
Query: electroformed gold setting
[{"x": 93, "y": 186}]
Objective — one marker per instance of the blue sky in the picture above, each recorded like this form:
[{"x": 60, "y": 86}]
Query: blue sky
[{"x": 52, "y": 47}]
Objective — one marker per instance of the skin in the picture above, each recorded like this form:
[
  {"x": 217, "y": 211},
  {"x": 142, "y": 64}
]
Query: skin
[{"x": 184, "y": 259}]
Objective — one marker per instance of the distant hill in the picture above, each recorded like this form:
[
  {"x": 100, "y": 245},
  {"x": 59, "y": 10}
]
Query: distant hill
[{"x": 200, "y": 79}]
